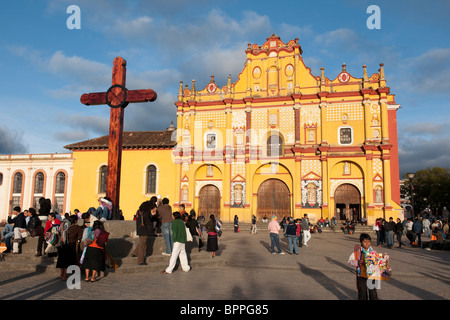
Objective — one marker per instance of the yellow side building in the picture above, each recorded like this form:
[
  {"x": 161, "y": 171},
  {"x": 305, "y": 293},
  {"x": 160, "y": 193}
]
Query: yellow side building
[{"x": 279, "y": 140}]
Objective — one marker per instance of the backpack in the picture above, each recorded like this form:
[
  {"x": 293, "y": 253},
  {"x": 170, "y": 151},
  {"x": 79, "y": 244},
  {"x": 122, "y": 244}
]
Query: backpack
[{"x": 102, "y": 238}]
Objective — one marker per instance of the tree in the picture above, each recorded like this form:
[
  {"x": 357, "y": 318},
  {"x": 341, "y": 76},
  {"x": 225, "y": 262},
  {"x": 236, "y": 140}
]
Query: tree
[{"x": 431, "y": 189}]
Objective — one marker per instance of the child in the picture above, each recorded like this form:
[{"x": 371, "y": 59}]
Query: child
[{"x": 357, "y": 259}]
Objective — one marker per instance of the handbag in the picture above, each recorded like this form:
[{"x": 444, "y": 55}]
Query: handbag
[
  {"x": 188, "y": 235},
  {"x": 38, "y": 231}
]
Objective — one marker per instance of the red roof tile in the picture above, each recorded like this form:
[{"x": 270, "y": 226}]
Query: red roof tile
[{"x": 131, "y": 140}]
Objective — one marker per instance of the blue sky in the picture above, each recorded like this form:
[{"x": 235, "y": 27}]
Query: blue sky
[{"x": 45, "y": 67}]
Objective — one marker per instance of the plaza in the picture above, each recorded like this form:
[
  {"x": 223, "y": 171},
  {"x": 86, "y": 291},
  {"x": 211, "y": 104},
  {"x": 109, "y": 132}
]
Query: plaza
[{"x": 244, "y": 270}]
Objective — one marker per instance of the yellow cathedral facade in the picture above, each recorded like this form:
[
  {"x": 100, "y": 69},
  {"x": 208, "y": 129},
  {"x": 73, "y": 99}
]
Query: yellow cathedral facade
[{"x": 279, "y": 140}]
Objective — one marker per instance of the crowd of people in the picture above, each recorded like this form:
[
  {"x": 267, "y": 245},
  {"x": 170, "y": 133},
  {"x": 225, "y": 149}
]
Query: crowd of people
[
  {"x": 414, "y": 229},
  {"x": 73, "y": 239},
  {"x": 155, "y": 217},
  {"x": 80, "y": 238}
]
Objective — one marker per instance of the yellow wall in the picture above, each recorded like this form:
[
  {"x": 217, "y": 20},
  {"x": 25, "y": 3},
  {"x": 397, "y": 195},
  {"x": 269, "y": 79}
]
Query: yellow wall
[{"x": 133, "y": 178}]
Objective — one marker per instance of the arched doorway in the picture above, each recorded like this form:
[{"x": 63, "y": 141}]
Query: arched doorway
[
  {"x": 347, "y": 201},
  {"x": 209, "y": 201},
  {"x": 273, "y": 198}
]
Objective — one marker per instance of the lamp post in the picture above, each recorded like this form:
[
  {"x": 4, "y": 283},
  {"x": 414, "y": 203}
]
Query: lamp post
[{"x": 411, "y": 177}]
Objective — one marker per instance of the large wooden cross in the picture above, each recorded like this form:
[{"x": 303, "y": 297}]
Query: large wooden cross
[{"x": 117, "y": 97}]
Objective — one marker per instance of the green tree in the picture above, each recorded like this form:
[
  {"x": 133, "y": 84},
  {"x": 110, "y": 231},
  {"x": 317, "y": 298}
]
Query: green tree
[{"x": 431, "y": 189}]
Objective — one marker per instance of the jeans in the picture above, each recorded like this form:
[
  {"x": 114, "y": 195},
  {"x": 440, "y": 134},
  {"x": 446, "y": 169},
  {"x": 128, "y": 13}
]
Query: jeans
[
  {"x": 418, "y": 237},
  {"x": 275, "y": 240},
  {"x": 399, "y": 239},
  {"x": 166, "y": 229},
  {"x": 8, "y": 228},
  {"x": 292, "y": 241},
  {"x": 390, "y": 238},
  {"x": 100, "y": 212}
]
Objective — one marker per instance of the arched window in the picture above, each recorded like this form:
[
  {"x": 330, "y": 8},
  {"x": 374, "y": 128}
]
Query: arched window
[
  {"x": 151, "y": 179},
  {"x": 17, "y": 184},
  {"x": 60, "y": 186},
  {"x": 38, "y": 189},
  {"x": 102, "y": 179},
  {"x": 1, "y": 178},
  {"x": 17, "y": 190},
  {"x": 60, "y": 182},
  {"x": 39, "y": 183},
  {"x": 274, "y": 146}
]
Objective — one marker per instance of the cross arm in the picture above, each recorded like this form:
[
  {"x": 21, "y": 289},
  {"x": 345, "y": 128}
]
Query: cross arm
[{"x": 98, "y": 98}]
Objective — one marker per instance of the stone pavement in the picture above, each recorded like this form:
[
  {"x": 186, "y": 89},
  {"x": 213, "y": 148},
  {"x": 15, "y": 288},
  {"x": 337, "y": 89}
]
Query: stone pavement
[{"x": 244, "y": 269}]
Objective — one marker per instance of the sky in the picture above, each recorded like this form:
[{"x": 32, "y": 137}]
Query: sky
[{"x": 45, "y": 66}]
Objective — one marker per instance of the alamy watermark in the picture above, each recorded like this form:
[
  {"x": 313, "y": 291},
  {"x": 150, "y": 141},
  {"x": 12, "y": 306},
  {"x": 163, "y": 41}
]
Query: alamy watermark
[
  {"x": 374, "y": 21},
  {"x": 74, "y": 280},
  {"x": 74, "y": 20}
]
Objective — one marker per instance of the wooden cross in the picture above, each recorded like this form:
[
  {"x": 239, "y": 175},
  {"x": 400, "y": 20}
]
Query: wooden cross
[{"x": 117, "y": 97}]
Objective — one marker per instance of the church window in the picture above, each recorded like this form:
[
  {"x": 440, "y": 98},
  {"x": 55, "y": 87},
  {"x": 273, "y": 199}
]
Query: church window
[
  {"x": 274, "y": 146},
  {"x": 151, "y": 179},
  {"x": 60, "y": 187},
  {"x": 38, "y": 189},
  {"x": 211, "y": 141},
  {"x": 102, "y": 179},
  {"x": 60, "y": 182},
  {"x": 39, "y": 183},
  {"x": 345, "y": 135},
  {"x": 17, "y": 184},
  {"x": 17, "y": 190}
]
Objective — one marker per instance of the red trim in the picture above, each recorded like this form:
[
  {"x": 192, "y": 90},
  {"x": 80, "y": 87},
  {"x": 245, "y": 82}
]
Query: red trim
[{"x": 395, "y": 171}]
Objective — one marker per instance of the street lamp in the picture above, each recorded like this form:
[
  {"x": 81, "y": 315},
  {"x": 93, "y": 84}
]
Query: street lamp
[{"x": 411, "y": 177}]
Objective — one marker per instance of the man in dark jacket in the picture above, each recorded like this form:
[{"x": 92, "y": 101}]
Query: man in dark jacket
[
  {"x": 417, "y": 230},
  {"x": 165, "y": 211},
  {"x": 20, "y": 231},
  {"x": 144, "y": 229},
  {"x": 398, "y": 230},
  {"x": 389, "y": 229}
]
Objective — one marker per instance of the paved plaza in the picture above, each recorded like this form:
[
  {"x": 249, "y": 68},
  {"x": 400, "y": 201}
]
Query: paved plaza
[{"x": 248, "y": 271}]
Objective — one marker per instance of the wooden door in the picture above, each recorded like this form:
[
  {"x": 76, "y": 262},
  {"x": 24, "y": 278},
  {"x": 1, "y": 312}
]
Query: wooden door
[
  {"x": 209, "y": 201},
  {"x": 273, "y": 198},
  {"x": 346, "y": 197}
]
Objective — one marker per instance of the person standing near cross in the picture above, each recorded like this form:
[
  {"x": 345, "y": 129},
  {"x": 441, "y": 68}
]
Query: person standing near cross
[{"x": 117, "y": 97}]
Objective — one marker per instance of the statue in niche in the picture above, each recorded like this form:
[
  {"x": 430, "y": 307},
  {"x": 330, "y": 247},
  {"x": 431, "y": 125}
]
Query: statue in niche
[
  {"x": 346, "y": 168},
  {"x": 184, "y": 194},
  {"x": 378, "y": 195},
  {"x": 237, "y": 196},
  {"x": 209, "y": 170},
  {"x": 238, "y": 193},
  {"x": 311, "y": 193}
]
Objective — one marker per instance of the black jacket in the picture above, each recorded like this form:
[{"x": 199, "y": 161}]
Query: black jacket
[
  {"x": 144, "y": 224},
  {"x": 398, "y": 227},
  {"x": 20, "y": 221},
  {"x": 34, "y": 222},
  {"x": 389, "y": 226}
]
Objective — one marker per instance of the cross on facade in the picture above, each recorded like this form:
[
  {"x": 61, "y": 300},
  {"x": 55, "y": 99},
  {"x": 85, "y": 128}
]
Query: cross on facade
[{"x": 117, "y": 97}]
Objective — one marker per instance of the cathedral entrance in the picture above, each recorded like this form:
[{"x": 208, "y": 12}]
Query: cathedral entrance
[
  {"x": 273, "y": 198},
  {"x": 209, "y": 201},
  {"x": 347, "y": 201}
]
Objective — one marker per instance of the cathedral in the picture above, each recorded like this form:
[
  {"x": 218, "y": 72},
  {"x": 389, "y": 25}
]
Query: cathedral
[{"x": 279, "y": 140}]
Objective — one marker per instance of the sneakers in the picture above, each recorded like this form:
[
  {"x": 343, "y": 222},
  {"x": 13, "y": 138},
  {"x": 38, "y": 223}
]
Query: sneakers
[
  {"x": 165, "y": 254},
  {"x": 281, "y": 252}
]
